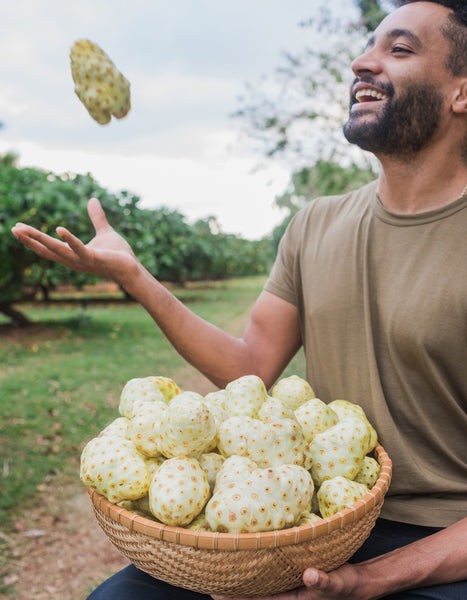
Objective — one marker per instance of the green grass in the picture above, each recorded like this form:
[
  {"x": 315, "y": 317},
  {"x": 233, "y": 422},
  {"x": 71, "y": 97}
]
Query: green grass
[{"x": 60, "y": 385}]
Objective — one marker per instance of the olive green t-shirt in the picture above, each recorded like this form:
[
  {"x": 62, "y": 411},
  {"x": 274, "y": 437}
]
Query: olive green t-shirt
[{"x": 382, "y": 300}]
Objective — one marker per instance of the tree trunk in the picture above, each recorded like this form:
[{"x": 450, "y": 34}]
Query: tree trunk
[{"x": 16, "y": 316}]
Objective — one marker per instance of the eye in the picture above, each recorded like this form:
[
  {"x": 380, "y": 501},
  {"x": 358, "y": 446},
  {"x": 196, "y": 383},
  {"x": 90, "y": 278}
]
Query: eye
[{"x": 400, "y": 50}]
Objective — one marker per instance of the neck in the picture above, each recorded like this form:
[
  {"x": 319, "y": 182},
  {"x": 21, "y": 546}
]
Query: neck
[{"x": 421, "y": 185}]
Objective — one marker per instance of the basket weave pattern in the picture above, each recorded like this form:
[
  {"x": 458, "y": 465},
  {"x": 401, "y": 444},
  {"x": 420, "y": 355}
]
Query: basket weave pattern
[{"x": 242, "y": 564}]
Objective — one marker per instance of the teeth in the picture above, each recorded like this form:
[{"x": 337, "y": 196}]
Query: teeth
[{"x": 372, "y": 93}]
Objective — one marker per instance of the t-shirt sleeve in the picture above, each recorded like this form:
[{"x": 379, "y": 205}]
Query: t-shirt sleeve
[{"x": 282, "y": 279}]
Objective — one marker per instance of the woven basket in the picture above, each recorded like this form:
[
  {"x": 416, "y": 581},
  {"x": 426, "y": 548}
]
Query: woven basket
[{"x": 248, "y": 564}]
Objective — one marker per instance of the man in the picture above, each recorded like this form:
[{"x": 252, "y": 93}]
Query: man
[{"x": 371, "y": 283}]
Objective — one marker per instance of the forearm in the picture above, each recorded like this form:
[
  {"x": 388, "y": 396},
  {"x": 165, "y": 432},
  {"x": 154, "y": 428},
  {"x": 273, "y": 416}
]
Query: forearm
[
  {"x": 439, "y": 558},
  {"x": 218, "y": 355}
]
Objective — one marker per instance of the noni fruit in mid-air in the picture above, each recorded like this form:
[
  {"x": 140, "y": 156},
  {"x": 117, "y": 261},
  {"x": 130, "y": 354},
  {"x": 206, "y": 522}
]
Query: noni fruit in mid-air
[{"x": 99, "y": 85}]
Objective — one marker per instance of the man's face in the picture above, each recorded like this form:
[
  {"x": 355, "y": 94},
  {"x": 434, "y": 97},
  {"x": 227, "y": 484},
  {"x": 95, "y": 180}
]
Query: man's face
[{"x": 399, "y": 92}]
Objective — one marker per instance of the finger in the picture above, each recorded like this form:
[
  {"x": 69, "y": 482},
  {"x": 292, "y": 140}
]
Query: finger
[
  {"x": 97, "y": 215},
  {"x": 35, "y": 239},
  {"x": 315, "y": 579},
  {"x": 40, "y": 243},
  {"x": 73, "y": 242}
]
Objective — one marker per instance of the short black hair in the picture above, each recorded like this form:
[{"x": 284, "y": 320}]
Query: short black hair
[
  {"x": 454, "y": 30},
  {"x": 459, "y": 7}
]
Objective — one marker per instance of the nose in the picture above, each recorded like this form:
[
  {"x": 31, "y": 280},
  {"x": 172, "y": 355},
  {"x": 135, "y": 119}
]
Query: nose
[{"x": 368, "y": 62}]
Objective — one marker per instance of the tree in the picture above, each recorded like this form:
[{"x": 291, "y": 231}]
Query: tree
[
  {"x": 297, "y": 114},
  {"x": 44, "y": 200},
  {"x": 170, "y": 248}
]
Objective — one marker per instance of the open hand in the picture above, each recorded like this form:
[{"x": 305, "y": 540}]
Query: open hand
[{"x": 107, "y": 254}]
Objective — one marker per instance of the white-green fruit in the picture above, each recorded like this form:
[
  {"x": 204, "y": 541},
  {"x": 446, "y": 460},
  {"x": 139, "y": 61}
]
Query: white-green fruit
[
  {"x": 113, "y": 467},
  {"x": 267, "y": 444},
  {"x": 369, "y": 472},
  {"x": 211, "y": 463},
  {"x": 219, "y": 415},
  {"x": 315, "y": 417},
  {"x": 179, "y": 491},
  {"x": 137, "y": 390},
  {"x": 293, "y": 390},
  {"x": 167, "y": 386},
  {"x": 142, "y": 504},
  {"x": 187, "y": 428},
  {"x": 234, "y": 469},
  {"x": 99, "y": 85},
  {"x": 153, "y": 464},
  {"x": 118, "y": 428},
  {"x": 339, "y": 493},
  {"x": 185, "y": 397},
  {"x": 143, "y": 427},
  {"x": 245, "y": 396},
  {"x": 308, "y": 518},
  {"x": 344, "y": 409},
  {"x": 275, "y": 409},
  {"x": 134, "y": 507},
  {"x": 268, "y": 499},
  {"x": 218, "y": 397},
  {"x": 339, "y": 450}
]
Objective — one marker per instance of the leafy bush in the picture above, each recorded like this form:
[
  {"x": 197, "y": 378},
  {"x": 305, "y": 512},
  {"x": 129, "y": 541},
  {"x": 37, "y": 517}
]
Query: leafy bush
[{"x": 170, "y": 248}]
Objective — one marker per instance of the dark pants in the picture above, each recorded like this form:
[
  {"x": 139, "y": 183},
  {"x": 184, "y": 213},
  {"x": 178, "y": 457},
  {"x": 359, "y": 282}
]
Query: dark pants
[{"x": 133, "y": 584}]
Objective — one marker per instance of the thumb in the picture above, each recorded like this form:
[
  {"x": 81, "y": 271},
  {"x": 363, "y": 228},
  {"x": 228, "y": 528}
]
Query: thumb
[
  {"x": 97, "y": 215},
  {"x": 315, "y": 579}
]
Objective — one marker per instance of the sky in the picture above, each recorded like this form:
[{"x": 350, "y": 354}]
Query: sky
[{"x": 187, "y": 62}]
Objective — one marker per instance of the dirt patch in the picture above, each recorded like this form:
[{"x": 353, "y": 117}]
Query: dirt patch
[{"x": 60, "y": 551}]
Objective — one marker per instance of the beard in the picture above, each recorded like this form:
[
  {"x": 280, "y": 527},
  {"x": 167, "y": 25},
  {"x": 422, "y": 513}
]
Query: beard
[{"x": 406, "y": 125}]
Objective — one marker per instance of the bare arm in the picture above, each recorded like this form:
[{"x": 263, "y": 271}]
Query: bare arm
[
  {"x": 437, "y": 559},
  {"x": 270, "y": 340}
]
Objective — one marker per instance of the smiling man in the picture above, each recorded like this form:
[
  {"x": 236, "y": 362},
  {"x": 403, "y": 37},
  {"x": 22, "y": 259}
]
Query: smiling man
[{"x": 373, "y": 285}]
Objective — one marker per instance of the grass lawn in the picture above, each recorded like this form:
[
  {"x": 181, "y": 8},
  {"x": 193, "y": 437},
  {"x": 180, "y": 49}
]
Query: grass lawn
[{"x": 60, "y": 382}]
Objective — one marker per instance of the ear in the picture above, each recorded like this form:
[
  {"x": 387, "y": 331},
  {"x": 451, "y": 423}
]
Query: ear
[{"x": 459, "y": 105}]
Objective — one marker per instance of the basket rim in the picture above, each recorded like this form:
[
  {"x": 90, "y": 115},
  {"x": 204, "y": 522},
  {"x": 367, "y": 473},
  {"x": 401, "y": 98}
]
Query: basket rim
[{"x": 250, "y": 541}]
